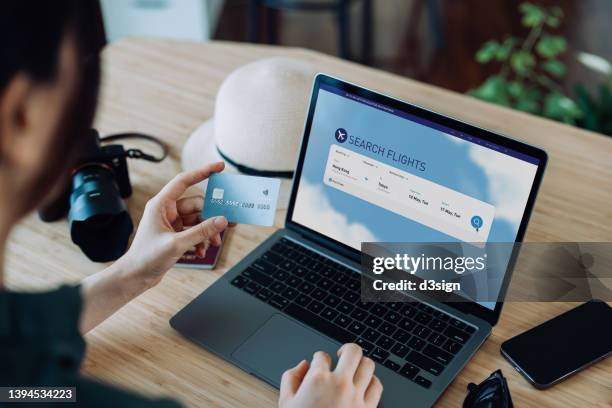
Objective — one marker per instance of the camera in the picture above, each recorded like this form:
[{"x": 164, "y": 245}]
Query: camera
[{"x": 94, "y": 201}]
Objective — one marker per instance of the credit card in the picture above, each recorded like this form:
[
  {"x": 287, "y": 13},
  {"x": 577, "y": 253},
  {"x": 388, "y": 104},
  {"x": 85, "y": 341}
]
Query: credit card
[{"x": 241, "y": 199}]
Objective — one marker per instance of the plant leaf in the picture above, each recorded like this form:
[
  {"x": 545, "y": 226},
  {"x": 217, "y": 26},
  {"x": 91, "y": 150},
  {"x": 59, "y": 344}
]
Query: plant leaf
[
  {"x": 606, "y": 97},
  {"x": 549, "y": 46},
  {"x": 527, "y": 105},
  {"x": 533, "y": 15},
  {"x": 596, "y": 107},
  {"x": 526, "y": 98},
  {"x": 588, "y": 107},
  {"x": 555, "y": 68},
  {"x": 553, "y": 21},
  {"x": 503, "y": 52},
  {"x": 522, "y": 62},
  {"x": 493, "y": 89},
  {"x": 487, "y": 52},
  {"x": 559, "y": 107},
  {"x": 524, "y": 6},
  {"x": 533, "y": 93},
  {"x": 516, "y": 89}
]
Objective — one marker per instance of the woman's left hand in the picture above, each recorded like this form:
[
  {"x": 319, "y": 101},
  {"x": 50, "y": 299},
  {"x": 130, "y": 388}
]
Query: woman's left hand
[{"x": 170, "y": 226}]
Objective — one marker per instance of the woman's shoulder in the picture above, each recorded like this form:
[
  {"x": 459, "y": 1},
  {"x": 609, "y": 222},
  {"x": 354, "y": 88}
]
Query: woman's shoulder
[{"x": 40, "y": 345}]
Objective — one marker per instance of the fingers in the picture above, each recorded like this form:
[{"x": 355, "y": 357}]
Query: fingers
[
  {"x": 373, "y": 392},
  {"x": 291, "y": 380},
  {"x": 216, "y": 240},
  {"x": 321, "y": 361},
  {"x": 200, "y": 249},
  {"x": 190, "y": 220},
  {"x": 190, "y": 205},
  {"x": 177, "y": 186},
  {"x": 350, "y": 356},
  {"x": 202, "y": 232},
  {"x": 177, "y": 225},
  {"x": 364, "y": 373}
]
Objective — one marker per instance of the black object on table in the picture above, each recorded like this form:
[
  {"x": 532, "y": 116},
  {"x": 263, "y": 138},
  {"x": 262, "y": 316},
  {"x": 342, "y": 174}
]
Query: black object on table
[{"x": 491, "y": 393}]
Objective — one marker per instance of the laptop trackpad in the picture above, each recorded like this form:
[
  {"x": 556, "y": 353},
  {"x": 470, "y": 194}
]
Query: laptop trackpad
[{"x": 279, "y": 345}]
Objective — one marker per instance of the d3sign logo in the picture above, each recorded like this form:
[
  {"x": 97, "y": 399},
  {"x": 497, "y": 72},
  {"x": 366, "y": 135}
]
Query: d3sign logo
[{"x": 341, "y": 135}]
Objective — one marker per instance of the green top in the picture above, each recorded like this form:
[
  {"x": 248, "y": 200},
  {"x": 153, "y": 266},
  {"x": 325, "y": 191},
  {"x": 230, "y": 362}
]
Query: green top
[{"x": 40, "y": 345}]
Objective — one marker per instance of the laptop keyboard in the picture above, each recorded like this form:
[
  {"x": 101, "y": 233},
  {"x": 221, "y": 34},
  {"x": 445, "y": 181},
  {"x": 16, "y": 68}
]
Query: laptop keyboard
[{"x": 410, "y": 338}]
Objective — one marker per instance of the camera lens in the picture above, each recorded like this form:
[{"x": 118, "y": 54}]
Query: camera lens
[{"x": 99, "y": 222}]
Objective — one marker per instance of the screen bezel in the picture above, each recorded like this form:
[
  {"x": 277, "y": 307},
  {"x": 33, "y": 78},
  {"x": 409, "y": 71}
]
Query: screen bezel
[{"x": 490, "y": 315}]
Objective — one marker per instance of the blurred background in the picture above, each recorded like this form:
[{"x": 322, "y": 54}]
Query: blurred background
[{"x": 550, "y": 57}]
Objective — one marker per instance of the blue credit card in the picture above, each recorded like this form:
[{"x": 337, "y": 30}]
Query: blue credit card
[{"x": 241, "y": 199}]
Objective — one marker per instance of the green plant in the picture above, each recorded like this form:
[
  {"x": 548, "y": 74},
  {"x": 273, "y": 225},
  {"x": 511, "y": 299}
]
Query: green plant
[
  {"x": 530, "y": 68},
  {"x": 596, "y": 107}
]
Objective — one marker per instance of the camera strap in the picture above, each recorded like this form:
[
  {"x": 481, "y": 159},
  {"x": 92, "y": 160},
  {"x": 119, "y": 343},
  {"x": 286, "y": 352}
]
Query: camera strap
[{"x": 137, "y": 153}]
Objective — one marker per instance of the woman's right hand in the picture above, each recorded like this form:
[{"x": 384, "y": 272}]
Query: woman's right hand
[
  {"x": 352, "y": 384},
  {"x": 170, "y": 226}
]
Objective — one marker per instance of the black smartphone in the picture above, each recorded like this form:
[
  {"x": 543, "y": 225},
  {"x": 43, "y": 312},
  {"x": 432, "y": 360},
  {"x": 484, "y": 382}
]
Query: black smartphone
[{"x": 562, "y": 346}]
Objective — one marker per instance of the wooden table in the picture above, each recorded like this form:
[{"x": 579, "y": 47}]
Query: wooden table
[{"x": 167, "y": 89}]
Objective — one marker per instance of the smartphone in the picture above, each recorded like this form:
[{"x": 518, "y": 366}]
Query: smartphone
[
  {"x": 208, "y": 261},
  {"x": 562, "y": 346}
]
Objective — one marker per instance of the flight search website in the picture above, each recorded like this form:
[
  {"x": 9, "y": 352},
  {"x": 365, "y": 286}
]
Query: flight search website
[{"x": 372, "y": 173}]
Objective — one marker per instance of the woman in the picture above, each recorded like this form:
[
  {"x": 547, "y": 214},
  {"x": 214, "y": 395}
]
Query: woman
[{"x": 49, "y": 72}]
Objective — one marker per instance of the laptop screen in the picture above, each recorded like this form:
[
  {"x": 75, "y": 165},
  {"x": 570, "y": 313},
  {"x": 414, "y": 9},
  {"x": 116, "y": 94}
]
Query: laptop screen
[{"x": 373, "y": 173}]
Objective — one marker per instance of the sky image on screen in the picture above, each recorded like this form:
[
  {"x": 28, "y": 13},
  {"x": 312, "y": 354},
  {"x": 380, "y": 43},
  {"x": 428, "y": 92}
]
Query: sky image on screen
[{"x": 471, "y": 173}]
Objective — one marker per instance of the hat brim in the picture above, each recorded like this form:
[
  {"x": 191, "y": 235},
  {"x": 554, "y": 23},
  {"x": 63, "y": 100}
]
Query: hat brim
[{"x": 201, "y": 149}]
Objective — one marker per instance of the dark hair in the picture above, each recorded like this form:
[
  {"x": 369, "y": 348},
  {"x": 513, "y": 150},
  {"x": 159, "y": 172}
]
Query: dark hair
[{"x": 31, "y": 35}]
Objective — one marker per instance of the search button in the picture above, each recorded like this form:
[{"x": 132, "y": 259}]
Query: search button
[{"x": 476, "y": 222}]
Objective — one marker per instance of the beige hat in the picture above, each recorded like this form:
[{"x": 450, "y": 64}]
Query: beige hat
[{"x": 258, "y": 123}]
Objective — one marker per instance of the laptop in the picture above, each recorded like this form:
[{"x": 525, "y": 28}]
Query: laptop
[{"x": 299, "y": 291}]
